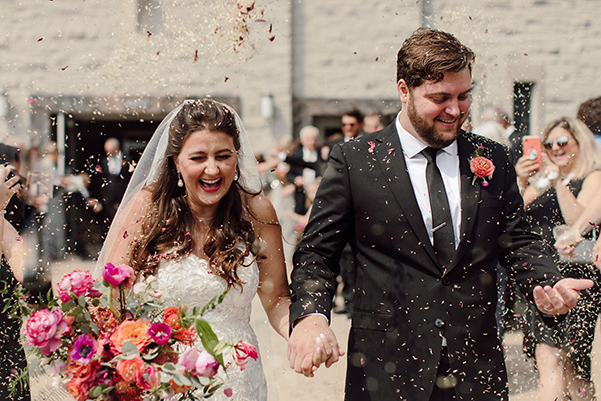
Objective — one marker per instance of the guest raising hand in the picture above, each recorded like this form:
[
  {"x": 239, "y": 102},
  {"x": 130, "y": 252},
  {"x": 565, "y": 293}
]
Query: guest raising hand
[
  {"x": 12, "y": 356},
  {"x": 568, "y": 183}
]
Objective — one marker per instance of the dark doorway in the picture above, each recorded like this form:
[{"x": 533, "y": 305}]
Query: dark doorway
[
  {"x": 84, "y": 140},
  {"x": 87, "y": 226},
  {"x": 522, "y": 93}
]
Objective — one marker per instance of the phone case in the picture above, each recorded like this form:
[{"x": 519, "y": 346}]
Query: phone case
[{"x": 532, "y": 149}]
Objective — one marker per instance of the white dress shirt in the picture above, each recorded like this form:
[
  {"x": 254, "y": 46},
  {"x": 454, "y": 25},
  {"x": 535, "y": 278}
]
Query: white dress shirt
[{"x": 448, "y": 164}]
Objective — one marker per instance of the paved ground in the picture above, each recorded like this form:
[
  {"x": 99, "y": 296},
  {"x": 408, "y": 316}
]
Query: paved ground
[{"x": 328, "y": 384}]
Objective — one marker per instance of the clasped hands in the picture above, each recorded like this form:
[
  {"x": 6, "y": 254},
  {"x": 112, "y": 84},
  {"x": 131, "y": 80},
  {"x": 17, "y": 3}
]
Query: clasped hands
[{"x": 312, "y": 343}]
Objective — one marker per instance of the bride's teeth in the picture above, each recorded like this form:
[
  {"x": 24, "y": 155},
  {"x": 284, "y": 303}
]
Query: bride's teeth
[{"x": 212, "y": 182}]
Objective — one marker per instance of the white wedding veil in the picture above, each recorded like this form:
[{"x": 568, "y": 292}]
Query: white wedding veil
[{"x": 147, "y": 171}]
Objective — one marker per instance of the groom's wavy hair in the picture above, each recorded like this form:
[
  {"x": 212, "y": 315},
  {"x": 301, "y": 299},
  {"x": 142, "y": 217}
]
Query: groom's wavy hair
[
  {"x": 428, "y": 53},
  {"x": 170, "y": 223}
]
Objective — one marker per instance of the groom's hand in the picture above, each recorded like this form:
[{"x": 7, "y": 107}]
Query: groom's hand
[
  {"x": 311, "y": 341},
  {"x": 560, "y": 298}
]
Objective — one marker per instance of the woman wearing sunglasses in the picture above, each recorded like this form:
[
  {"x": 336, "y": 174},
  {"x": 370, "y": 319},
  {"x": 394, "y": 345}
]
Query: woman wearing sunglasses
[{"x": 569, "y": 181}]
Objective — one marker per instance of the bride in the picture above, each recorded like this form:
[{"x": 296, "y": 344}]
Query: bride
[{"x": 193, "y": 216}]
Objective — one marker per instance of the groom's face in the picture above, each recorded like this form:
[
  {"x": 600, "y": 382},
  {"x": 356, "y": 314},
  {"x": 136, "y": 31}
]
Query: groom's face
[{"x": 434, "y": 111}]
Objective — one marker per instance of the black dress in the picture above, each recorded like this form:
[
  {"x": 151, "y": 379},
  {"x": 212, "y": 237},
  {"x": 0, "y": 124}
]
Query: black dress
[
  {"x": 574, "y": 335},
  {"x": 12, "y": 355}
]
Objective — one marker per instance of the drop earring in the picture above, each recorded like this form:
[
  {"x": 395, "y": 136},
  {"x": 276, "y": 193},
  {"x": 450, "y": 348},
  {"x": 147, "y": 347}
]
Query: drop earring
[{"x": 180, "y": 183}]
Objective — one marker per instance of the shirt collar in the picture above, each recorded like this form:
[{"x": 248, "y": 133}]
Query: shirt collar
[{"x": 413, "y": 146}]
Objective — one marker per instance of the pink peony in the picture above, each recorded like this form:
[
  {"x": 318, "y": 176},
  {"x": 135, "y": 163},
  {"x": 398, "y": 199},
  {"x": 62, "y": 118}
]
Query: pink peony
[
  {"x": 188, "y": 359},
  {"x": 206, "y": 365},
  {"x": 119, "y": 275},
  {"x": 242, "y": 351},
  {"x": 44, "y": 330},
  {"x": 79, "y": 283}
]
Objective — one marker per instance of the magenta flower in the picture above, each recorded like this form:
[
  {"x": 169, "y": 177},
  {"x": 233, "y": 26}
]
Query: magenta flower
[
  {"x": 44, "y": 330},
  {"x": 206, "y": 365},
  {"x": 79, "y": 283},
  {"x": 84, "y": 349},
  {"x": 242, "y": 351},
  {"x": 160, "y": 333},
  {"x": 118, "y": 275},
  {"x": 228, "y": 392}
]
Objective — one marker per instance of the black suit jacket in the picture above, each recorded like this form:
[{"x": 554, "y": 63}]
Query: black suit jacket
[
  {"x": 109, "y": 188},
  {"x": 403, "y": 301},
  {"x": 298, "y": 164}
]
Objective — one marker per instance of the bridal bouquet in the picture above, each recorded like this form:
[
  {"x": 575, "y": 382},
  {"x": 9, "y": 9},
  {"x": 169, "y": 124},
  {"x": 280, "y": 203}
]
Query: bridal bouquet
[{"x": 112, "y": 339}]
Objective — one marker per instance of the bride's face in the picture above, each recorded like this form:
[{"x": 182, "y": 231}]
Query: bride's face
[{"x": 207, "y": 164}]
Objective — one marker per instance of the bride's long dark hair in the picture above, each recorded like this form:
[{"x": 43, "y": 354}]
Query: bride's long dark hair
[{"x": 167, "y": 230}]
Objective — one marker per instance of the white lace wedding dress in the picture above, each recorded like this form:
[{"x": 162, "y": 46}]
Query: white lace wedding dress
[{"x": 190, "y": 282}]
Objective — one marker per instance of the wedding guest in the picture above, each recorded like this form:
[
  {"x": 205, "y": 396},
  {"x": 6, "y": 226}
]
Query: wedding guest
[
  {"x": 352, "y": 123},
  {"x": 12, "y": 356},
  {"x": 108, "y": 182},
  {"x": 569, "y": 182},
  {"x": 306, "y": 165},
  {"x": 16, "y": 209},
  {"x": 492, "y": 130},
  {"x": 426, "y": 242},
  {"x": 372, "y": 123},
  {"x": 589, "y": 112},
  {"x": 588, "y": 222}
]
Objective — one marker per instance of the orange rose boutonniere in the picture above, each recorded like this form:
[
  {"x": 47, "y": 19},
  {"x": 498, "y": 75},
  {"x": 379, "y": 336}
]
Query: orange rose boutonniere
[{"x": 482, "y": 167}]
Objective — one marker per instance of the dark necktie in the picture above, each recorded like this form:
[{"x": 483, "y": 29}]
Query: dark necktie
[{"x": 442, "y": 223}]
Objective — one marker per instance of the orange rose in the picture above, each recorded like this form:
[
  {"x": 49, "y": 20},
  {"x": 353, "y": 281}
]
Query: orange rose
[
  {"x": 186, "y": 335},
  {"x": 127, "y": 368},
  {"x": 134, "y": 331},
  {"x": 482, "y": 167},
  {"x": 78, "y": 389},
  {"x": 83, "y": 371}
]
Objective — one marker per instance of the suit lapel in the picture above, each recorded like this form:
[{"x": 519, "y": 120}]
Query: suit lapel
[
  {"x": 470, "y": 195},
  {"x": 389, "y": 153}
]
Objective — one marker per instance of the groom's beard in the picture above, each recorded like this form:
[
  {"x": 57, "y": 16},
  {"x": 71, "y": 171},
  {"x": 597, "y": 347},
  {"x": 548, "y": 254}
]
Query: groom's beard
[{"x": 426, "y": 129}]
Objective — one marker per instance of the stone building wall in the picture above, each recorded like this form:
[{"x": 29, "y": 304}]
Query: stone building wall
[{"x": 311, "y": 57}]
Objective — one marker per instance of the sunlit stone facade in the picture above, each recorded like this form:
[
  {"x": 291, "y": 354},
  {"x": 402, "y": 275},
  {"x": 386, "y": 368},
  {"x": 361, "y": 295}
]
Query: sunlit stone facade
[{"x": 96, "y": 60}]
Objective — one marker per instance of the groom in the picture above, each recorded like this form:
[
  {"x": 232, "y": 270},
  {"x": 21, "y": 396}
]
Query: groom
[{"x": 427, "y": 234}]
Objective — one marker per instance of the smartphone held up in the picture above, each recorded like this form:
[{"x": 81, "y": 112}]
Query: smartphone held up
[{"x": 532, "y": 147}]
